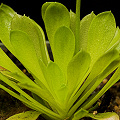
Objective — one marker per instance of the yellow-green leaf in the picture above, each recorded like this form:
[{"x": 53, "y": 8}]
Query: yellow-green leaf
[
  {"x": 77, "y": 68},
  {"x": 100, "y": 34},
  {"x": 25, "y": 52},
  {"x": 84, "y": 28},
  {"x": 55, "y": 16},
  {"x": 29, "y": 115},
  {"x": 35, "y": 33},
  {"x": 64, "y": 46}
]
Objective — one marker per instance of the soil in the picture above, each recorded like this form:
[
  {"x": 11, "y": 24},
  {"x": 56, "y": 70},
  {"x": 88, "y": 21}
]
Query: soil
[{"x": 110, "y": 101}]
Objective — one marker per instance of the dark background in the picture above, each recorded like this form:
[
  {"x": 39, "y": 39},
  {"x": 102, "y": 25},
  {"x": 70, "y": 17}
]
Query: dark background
[{"x": 32, "y": 8}]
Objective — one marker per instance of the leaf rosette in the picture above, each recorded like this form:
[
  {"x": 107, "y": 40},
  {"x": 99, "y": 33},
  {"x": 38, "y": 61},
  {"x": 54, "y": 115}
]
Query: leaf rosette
[{"x": 83, "y": 56}]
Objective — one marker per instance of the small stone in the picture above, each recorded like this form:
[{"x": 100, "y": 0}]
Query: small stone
[
  {"x": 24, "y": 70},
  {"x": 94, "y": 112},
  {"x": 105, "y": 81}
]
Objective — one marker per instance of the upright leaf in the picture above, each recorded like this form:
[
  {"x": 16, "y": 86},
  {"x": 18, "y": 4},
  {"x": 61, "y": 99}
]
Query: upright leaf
[
  {"x": 116, "y": 40},
  {"x": 8, "y": 10},
  {"x": 56, "y": 82},
  {"x": 84, "y": 28},
  {"x": 56, "y": 15},
  {"x": 44, "y": 7},
  {"x": 64, "y": 46},
  {"x": 26, "y": 53},
  {"x": 5, "y": 22},
  {"x": 35, "y": 33},
  {"x": 100, "y": 34},
  {"x": 76, "y": 69},
  {"x": 6, "y": 15}
]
